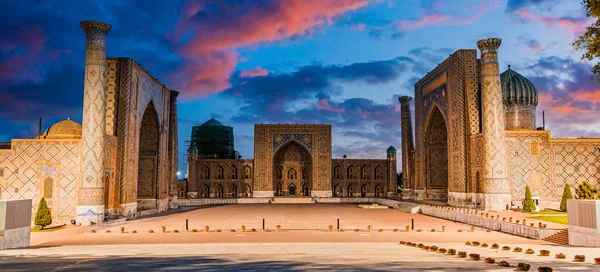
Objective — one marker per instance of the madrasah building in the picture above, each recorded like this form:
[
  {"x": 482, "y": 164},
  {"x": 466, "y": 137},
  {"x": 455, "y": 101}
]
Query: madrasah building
[
  {"x": 476, "y": 144},
  {"x": 122, "y": 161},
  {"x": 290, "y": 160}
]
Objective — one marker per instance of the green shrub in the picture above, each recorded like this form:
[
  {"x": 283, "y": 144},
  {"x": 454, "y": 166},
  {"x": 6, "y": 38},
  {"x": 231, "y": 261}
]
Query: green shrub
[
  {"x": 528, "y": 204},
  {"x": 566, "y": 195},
  {"x": 587, "y": 191},
  {"x": 43, "y": 217}
]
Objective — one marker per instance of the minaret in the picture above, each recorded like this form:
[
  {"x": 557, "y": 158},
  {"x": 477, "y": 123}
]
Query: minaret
[
  {"x": 392, "y": 174},
  {"x": 495, "y": 185},
  {"x": 173, "y": 140},
  {"x": 90, "y": 203},
  {"x": 407, "y": 145}
]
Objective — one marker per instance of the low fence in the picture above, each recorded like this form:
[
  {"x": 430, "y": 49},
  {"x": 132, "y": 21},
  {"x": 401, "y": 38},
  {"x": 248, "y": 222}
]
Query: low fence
[
  {"x": 489, "y": 222},
  {"x": 394, "y": 204},
  {"x": 219, "y": 201}
]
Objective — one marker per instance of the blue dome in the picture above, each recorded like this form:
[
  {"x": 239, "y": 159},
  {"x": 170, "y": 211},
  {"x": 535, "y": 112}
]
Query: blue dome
[
  {"x": 391, "y": 149},
  {"x": 213, "y": 123},
  {"x": 517, "y": 90}
]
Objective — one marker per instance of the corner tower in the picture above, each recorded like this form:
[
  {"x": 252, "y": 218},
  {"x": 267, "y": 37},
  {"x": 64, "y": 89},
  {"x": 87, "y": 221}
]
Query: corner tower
[
  {"x": 392, "y": 174},
  {"x": 90, "y": 203},
  {"x": 407, "y": 145},
  {"x": 495, "y": 185}
]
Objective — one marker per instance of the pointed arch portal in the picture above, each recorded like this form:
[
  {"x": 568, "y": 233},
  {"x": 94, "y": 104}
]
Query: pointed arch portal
[
  {"x": 436, "y": 152},
  {"x": 147, "y": 187},
  {"x": 295, "y": 161}
]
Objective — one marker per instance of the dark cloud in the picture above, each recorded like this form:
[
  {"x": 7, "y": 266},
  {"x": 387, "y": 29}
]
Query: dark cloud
[
  {"x": 270, "y": 97},
  {"x": 514, "y": 5},
  {"x": 308, "y": 95},
  {"x": 42, "y": 54}
]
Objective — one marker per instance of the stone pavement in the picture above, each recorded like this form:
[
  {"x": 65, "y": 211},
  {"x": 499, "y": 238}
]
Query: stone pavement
[
  {"x": 279, "y": 256},
  {"x": 300, "y": 223}
]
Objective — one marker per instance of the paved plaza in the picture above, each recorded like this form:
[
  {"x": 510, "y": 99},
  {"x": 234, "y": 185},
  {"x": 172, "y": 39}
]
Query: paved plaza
[
  {"x": 304, "y": 243},
  {"x": 299, "y": 223},
  {"x": 277, "y": 256}
]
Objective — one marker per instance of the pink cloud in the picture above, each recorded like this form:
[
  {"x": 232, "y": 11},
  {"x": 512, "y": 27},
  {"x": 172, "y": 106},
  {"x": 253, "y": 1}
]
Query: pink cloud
[
  {"x": 324, "y": 105},
  {"x": 254, "y": 72},
  {"x": 233, "y": 26},
  {"x": 359, "y": 27},
  {"x": 422, "y": 22},
  {"x": 575, "y": 26},
  {"x": 437, "y": 19}
]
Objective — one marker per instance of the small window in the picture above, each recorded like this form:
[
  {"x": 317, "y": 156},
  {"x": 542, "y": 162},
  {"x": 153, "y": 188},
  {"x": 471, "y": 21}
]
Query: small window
[
  {"x": 48, "y": 188},
  {"x": 1, "y": 172},
  {"x": 219, "y": 172},
  {"x": 292, "y": 174},
  {"x": 233, "y": 172},
  {"x": 534, "y": 148}
]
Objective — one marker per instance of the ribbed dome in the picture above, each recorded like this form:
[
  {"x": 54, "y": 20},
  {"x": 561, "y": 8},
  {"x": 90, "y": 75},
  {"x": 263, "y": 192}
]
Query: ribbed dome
[
  {"x": 391, "y": 149},
  {"x": 193, "y": 149},
  {"x": 66, "y": 129},
  {"x": 213, "y": 123},
  {"x": 517, "y": 90}
]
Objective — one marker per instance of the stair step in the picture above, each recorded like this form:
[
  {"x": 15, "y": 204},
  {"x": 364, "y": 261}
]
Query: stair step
[{"x": 561, "y": 238}]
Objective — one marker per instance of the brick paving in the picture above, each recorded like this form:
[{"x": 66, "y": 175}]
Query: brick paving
[{"x": 299, "y": 223}]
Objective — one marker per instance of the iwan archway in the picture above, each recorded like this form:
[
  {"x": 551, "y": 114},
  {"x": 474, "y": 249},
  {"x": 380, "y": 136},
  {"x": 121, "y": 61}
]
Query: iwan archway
[
  {"x": 147, "y": 184},
  {"x": 292, "y": 164},
  {"x": 436, "y": 156}
]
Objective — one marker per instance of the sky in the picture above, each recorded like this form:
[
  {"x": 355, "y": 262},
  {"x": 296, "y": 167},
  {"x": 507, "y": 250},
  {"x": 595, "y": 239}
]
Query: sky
[{"x": 243, "y": 62}]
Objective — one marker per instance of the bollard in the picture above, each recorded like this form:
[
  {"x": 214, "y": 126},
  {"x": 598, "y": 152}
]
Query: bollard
[
  {"x": 263, "y": 224},
  {"x": 338, "y": 224},
  {"x": 186, "y": 225},
  {"x": 412, "y": 223}
]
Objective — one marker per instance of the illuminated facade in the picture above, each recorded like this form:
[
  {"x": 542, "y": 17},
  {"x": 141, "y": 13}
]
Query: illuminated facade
[
  {"x": 121, "y": 161},
  {"x": 476, "y": 144},
  {"x": 291, "y": 160}
]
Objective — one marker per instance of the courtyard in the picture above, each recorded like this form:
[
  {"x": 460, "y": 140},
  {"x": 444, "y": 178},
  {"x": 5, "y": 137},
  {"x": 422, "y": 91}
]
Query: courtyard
[
  {"x": 304, "y": 242},
  {"x": 298, "y": 223}
]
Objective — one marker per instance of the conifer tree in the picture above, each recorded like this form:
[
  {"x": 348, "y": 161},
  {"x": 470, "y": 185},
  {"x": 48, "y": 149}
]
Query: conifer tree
[
  {"x": 528, "y": 204},
  {"x": 566, "y": 195},
  {"x": 43, "y": 217},
  {"x": 586, "y": 190}
]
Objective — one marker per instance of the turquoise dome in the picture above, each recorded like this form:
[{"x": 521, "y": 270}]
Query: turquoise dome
[
  {"x": 517, "y": 90},
  {"x": 213, "y": 123},
  {"x": 391, "y": 149},
  {"x": 192, "y": 148}
]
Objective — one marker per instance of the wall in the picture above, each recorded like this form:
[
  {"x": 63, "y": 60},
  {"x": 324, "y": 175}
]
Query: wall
[
  {"x": 488, "y": 223},
  {"x": 197, "y": 181},
  {"x": 584, "y": 222},
  {"x": 545, "y": 165},
  {"x": 15, "y": 223},
  {"x": 219, "y": 201},
  {"x": 24, "y": 167},
  {"x": 343, "y": 180}
]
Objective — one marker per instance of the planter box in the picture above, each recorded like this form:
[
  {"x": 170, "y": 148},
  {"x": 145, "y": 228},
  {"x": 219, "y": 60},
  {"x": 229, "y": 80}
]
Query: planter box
[{"x": 584, "y": 222}]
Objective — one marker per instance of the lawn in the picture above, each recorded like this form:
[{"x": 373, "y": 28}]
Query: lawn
[
  {"x": 554, "y": 219},
  {"x": 47, "y": 230},
  {"x": 547, "y": 212}
]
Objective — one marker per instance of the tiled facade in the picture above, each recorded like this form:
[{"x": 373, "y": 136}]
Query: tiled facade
[
  {"x": 465, "y": 154},
  {"x": 133, "y": 168},
  {"x": 291, "y": 160}
]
